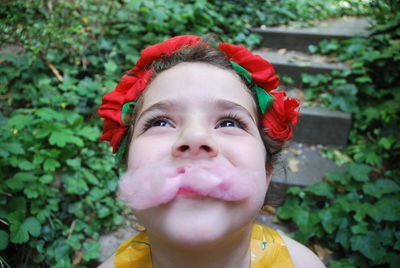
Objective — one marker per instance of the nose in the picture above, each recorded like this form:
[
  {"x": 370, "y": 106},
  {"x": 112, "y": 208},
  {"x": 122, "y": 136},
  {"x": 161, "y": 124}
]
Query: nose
[{"x": 195, "y": 141}]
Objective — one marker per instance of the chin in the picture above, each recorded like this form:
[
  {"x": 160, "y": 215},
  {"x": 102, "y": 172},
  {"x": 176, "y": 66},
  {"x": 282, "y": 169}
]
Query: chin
[{"x": 199, "y": 221}]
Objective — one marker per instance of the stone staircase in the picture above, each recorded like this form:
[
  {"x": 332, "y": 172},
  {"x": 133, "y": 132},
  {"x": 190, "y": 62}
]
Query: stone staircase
[{"x": 318, "y": 128}]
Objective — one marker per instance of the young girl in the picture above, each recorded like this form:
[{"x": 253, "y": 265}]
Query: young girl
[{"x": 199, "y": 126}]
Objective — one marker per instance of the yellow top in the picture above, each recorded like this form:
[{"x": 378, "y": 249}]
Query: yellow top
[{"x": 267, "y": 250}]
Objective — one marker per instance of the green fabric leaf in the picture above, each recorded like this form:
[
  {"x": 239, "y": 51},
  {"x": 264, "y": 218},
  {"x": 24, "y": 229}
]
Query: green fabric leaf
[
  {"x": 359, "y": 171},
  {"x": 265, "y": 100},
  {"x": 381, "y": 187}
]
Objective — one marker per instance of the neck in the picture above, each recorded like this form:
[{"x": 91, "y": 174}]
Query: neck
[{"x": 231, "y": 251}]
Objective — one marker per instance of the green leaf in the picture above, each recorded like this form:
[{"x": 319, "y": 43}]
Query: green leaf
[
  {"x": 20, "y": 121},
  {"x": 46, "y": 179},
  {"x": 33, "y": 226},
  {"x": 359, "y": 171},
  {"x": 381, "y": 187},
  {"x": 14, "y": 148},
  {"x": 368, "y": 245},
  {"x": 387, "y": 142},
  {"x": 17, "y": 203},
  {"x": 3, "y": 239},
  {"x": 76, "y": 140},
  {"x": 74, "y": 163},
  {"x": 360, "y": 228},
  {"x": 329, "y": 222},
  {"x": 25, "y": 164},
  {"x": 110, "y": 67},
  {"x": 91, "y": 133},
  {"x": 75, "y": 185},
  {"x": 387, "y": 208},
  {"x": 19, "y": 180},
  {"x": 92, "y": 250},
  {"x": 337, "y": 176},
  {"x": 312, "y": 49},
  {"x": 90, "y": 177},
  {"x": 58, "y": 138},
  {"x": 321, "y": 189},
  {"x": 20, "y": 231},
  {"x": 51, "y": 164}
]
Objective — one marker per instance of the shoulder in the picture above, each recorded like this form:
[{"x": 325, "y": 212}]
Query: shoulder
[
  {"x": 301, "y": 255},
  {"x": 109, "y": 263}
]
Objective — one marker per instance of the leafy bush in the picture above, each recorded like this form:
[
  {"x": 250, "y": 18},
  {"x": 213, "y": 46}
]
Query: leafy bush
[
  {"x": 356, "y": 213},
  {"x": 353, "y": 213}
]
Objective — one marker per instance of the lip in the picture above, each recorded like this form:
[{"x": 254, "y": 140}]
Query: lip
[{"x": 188, "y": 192}]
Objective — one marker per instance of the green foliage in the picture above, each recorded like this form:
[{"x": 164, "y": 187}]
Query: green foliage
[
  {"x": 353, "y": 213},
  {"x": 356, "y": 213},
  {"x": 369, "y": 90}
]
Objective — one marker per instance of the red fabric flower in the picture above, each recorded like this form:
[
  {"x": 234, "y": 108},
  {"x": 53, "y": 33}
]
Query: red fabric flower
[
  {"x": 278, "y": 120},
  {"x": 281, "y": 117},
  {"x": 262, "y": 72}
]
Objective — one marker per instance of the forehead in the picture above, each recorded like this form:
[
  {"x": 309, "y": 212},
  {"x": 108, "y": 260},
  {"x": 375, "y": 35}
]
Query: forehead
[{"x": 196, "y": 83}]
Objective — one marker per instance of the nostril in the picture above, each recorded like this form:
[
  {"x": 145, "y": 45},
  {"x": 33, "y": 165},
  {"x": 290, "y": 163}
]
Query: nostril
[
  {"x": 206, "y": 148},
  {"x": 183, "y": 148}
]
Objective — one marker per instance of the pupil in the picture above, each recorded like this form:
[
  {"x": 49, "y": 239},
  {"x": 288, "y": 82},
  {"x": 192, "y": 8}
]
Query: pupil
[
  {"x": 160, "y": 123},
  {"x": 229, "y": 124}
]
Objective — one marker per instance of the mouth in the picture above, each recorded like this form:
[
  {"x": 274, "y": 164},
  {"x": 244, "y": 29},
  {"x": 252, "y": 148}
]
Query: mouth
[{"x": 188, "y": 192}]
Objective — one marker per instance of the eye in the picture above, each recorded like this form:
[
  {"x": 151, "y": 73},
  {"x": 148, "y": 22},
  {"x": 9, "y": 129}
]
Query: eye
[
  {"x": 229, "y": 123},
  {"x": 157, "y": 122},
  {"x": 232, "y": 121}
]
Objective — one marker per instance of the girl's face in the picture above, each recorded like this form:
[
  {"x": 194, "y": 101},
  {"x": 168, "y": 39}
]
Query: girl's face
[{"x": 199, "y": 117}]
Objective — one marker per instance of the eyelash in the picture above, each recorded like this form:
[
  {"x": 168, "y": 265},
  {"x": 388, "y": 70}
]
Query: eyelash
[
  {"x": 148, "y": 123},
  {"x": 230, "y": 116},
  {"x": 234, "y": 117}
]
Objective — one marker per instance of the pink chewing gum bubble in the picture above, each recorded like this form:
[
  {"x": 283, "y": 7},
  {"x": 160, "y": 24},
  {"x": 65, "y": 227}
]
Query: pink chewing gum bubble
[{"x": 151, "y": 186}]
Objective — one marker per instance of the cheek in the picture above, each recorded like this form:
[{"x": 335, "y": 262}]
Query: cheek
[
  {"x": 250, "y": 155},
  {"x": 143, "y": 151}
]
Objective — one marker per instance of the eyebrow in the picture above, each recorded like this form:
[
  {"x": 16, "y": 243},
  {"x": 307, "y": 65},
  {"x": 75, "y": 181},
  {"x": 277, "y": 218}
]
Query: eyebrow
[
  {"x": 166, "y": 105},
  {"x": 221, "y": 105},
  {"x": 229, "y": 105}
]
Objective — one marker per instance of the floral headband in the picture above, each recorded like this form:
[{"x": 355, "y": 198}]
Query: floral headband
[{"x": 279, "y": 111}]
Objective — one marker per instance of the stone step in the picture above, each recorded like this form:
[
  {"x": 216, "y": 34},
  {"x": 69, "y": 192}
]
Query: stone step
[
  {"x": 294, "y": 63},
  {"x": 297, "y": 38},
  {"x": 299, "y": 165},
  {"x": 319, "y": 125}
]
